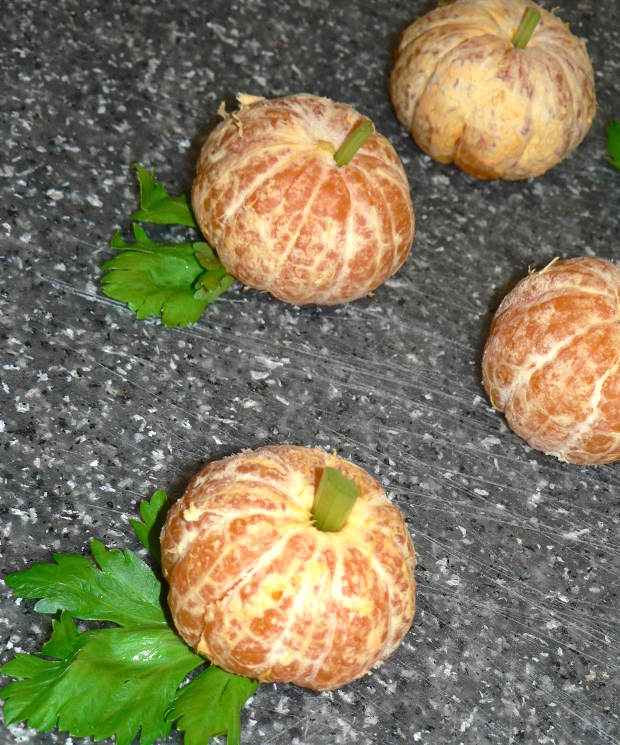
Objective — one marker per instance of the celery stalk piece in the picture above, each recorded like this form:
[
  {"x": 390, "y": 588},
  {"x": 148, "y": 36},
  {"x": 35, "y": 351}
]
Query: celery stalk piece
[
  {"x": 354, "y": 142},
  {"x": 530, "y": 20},
  {"x": 333, "y": 501}
]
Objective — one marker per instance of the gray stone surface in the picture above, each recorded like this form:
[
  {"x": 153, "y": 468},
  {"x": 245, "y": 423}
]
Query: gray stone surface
[{"x": 516, "y": 634}]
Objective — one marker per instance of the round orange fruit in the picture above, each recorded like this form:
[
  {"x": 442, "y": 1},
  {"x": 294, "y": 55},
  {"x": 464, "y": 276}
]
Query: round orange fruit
[
  {"x": 469, "y": 96},
  {"x": 283, "y": 217},
  {"x": 257, "y": 589},
  {"x": 552, "y": 360}
]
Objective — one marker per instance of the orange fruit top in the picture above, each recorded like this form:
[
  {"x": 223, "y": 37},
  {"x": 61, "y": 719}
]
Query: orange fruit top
[
  {"x": 283, "y": 217},
  {"x": 261, "y": 592},
  {"x": 552, "y": 360}
]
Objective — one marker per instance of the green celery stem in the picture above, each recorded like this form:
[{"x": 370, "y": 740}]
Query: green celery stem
[
  {"x": 354, "y": 142},
  {"x": 333, "y": 501},
  {"x": 530, "y": 20}
]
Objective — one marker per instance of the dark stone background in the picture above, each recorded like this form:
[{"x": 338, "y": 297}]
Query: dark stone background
[{"x": 516, "y": 634}]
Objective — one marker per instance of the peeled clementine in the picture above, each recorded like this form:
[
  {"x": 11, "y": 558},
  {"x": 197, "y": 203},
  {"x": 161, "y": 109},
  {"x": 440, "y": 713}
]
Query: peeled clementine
[
  {"x": 261, "y": 592},
  {"x": 283, "y": 217},
  {"x": 469, "y": 96},
  {"x": 552, "y": 360}
]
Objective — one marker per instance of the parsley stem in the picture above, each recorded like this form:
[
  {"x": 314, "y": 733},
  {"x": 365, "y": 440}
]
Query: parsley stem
[
  {"x": 333, "y": 501},
  {"x": 354, "y": 142},
  {"x": 530, "y": 20}
]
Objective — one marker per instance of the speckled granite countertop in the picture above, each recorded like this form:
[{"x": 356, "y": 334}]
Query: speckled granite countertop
[{"x": 516, "y": 634}]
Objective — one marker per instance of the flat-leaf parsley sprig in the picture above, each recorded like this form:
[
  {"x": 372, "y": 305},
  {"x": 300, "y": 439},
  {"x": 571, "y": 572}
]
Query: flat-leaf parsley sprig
[
  {"x": 176, "y": 280},
  {"x": 116, "y": 680},
  {"x": 157, "y": 206},
  {"x": 612, "y": 142}
]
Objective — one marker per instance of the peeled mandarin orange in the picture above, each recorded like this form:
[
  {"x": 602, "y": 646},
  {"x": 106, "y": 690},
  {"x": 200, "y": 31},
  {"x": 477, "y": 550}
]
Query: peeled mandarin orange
[
  {"x": 469, "y": 96},
  {"x": 283, "y": 217},
  {"x": 261, "y": 592},
  {"x": 552, "y": 360}
]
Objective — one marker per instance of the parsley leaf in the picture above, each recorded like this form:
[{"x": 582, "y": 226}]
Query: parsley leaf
[
  {"x": 164, "y": 278},
  {"x": 147, "y": 530},
  {"x": 210, "y": 705},
  {"x": 100, "y": 683},
  {"x": 123, "y": 590},
  {"x": 613, "y": 143},
  {"x": 155, "y": 278},
  {"x": 157, "y": 206},
  {"x": 116, "y": 681},
  {"x": 176, "y": 280}
]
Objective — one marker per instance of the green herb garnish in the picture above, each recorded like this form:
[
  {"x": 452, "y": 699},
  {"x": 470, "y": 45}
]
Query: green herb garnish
[
  {"x": 153, "y": 513},
  {"x": 116, "y": 680},
  {"x": 103, "y": 683},
  {"x": 157, "y": 206},
  {"x": 121, "y": 588},
  {"x": 333, "y": 501},
  {"x": 354, "y": 142},
  {"x": 613, "y": 143},
  {"x": 176, "y": 280},
  {"x": 200, "y": 723},
  {"x": 531, "y": 19}
]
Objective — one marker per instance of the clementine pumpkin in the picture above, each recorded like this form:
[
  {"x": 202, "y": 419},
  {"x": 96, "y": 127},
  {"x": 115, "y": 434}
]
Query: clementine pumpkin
[
  {"x": 283, "y": 217},
  {"x": 468, "y": 96},
  {"x": 261, "y": 592},
  {"x": 552, "y": 360}
]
